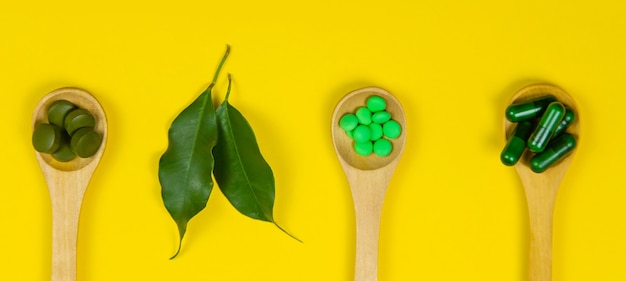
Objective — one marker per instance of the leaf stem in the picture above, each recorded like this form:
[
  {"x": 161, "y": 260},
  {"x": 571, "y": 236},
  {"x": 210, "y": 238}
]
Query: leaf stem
[
  {"x": 285, "y": 231},
  {"x": 228, "y": 90},
  {"x": 219, "y": 67}
]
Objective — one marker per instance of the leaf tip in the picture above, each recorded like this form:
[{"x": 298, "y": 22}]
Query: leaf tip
[
  {"x": 285, "y": 231},
  {"x": 180, "y": 243}
]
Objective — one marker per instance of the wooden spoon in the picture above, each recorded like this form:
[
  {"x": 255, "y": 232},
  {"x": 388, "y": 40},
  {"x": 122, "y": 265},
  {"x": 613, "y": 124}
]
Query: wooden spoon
[
  {"x": 68, "y": 181},
  {"x": 368, "y": 178},
  {"x": 541, "y": 189}
]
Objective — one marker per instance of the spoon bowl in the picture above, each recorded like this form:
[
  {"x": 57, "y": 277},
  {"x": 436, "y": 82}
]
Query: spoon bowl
[
  {"x": 67, "y": 181},
  {"x": 541, "y": 188},
  {"x": 368, "y": 177}
]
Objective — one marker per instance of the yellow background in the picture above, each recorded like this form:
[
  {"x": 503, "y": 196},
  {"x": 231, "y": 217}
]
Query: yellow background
[{"x": 452, "y": 211}]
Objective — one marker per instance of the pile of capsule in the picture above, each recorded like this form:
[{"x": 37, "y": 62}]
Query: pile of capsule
[
  {"x": 541, "y": 126},
  {"x": 69, "y": 133},
  {"x": 371, "y": 127}
]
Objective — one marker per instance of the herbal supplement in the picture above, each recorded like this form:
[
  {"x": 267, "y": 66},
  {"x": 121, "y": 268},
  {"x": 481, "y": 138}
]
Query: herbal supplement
[
  {"x": 85, "y": 142},
  {"x": 64, "y": 153},
  {"x": 382, "y": 147},
  {"x": 376, "y": 103},
  {"x": 568, "y": 118},
  {"x": 362, "y": 133},
  {"x": 348, "y": 122},
  {"x": 78, "y": 118},
  {"x": 557, "y": 150},
  {"x": 371, "y": 123},
  {"x": 381, "y": 117},
  {"x": 548, "y": 123},
  {"x": 364, "y": 115},
  {"x": 517, "y": 143},
  {"x": 392, "y": 129},
  {"x": 58, "y": 110},
  {"x": 46, "y": 138},
  {"x": 376, "y": 131},
  {"x": 528, "y": 110},
  {"x": 363, "y": 148},
  {"x": 350, "y": 134}
]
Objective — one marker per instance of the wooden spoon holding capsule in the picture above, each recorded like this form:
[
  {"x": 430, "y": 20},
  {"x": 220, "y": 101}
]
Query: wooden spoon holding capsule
[
  {"x": 368, "y": 177},
  {"x": 67, "y": 182},
  {"x": 541, "y": 188}
]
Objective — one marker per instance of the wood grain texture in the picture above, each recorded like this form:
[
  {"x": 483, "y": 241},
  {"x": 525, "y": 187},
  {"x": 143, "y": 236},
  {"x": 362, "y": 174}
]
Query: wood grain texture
[
  {"x": 541, "y": 189},
  {"x": 67, "y": 182},
  {"x": 368, "y": 178}
]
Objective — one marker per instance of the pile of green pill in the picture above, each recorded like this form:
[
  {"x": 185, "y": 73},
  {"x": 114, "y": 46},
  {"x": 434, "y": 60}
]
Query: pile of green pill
[
  {"x": 371, "y": 127},
  {"x": 540, "y": 126},
  {"x": 68, "y": 133}
]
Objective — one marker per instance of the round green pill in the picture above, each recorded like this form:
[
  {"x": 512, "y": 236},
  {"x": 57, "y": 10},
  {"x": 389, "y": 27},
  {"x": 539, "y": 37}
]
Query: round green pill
[
  {"x": 85, "y": 142},
  {"x": 382, "y": 147},
  {"x": 79, "y": 118},
  {"x": 46, "y": 137},
  {"x": 362, "y": 133},
  {"x": 58, "y": 110},
  {"x": 363, "y": 148},
  {"x": 350, "y": 134},
  {"x": 364, "y": 115},
  {"x": 64, "y": 153},
  {"x": 376, "y": 131},
  {"x": 376, "y": 103},
  {"x": 348, "y": 122},
  {"x": 392, "y": 129},
  {"x": 381, "y": 117}
]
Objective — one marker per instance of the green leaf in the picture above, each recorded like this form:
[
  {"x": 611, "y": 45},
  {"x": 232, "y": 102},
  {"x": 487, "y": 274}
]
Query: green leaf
[
  {"x": 241, "y": 172},
  {"x": 185, "y": 167}
]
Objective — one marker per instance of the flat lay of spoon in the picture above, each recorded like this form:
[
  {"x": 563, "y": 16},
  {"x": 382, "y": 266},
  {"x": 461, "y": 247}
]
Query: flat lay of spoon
[
  {"x": 541, "y": 188},
  {"x": 67, "y": 182},
  {"x": 368, "y": 178}
]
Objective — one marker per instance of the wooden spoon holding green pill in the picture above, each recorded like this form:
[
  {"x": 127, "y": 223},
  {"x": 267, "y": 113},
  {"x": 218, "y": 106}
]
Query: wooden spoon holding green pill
[
  {"x": 368, "y": 177},
  {"x": 541, "y": 188},
  {"x": 67, "y": 181}
]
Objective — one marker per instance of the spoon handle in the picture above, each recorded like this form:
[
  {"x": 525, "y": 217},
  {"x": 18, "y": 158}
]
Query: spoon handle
[
  {"x": 66, "y": 193},
  {"x": 541, "y": 209},
  {"x": 368, "y": 192}
]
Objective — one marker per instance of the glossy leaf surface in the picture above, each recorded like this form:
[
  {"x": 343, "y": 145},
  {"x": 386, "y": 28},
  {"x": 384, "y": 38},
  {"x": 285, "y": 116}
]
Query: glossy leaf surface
[
  {"x": 241, "y": 172},
  {"x": 185, "y": 167}
]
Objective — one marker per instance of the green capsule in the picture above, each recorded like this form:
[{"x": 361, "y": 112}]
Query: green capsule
[
  {"x": 392, "y": 129},
  {"x": 382, "y": 147},
  {"x": 376, "y": 131},
  {"x": 528, "y": 110},
  {"x": 364, "y": 115},
  {"x": 58, "y": 110},
  {"x": 363, "y": 148},
  {"x": 568, "y": 119},
  {"x": 78, "y": 118},
  {"x": 517, "y": 143},
  {"x": 558, "y": 149},
  {"x": 362, "y": 133},
  {"x": 85, "y": 142},
  {"x": 64, "y": 153},
  {"x": 545, "y": 129},
  {"x": 381, "y": 117},
  {"x": 376, "y": 103},
  {"x": 46, "y": 137},
  {"x": 348, "y": 122}
]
